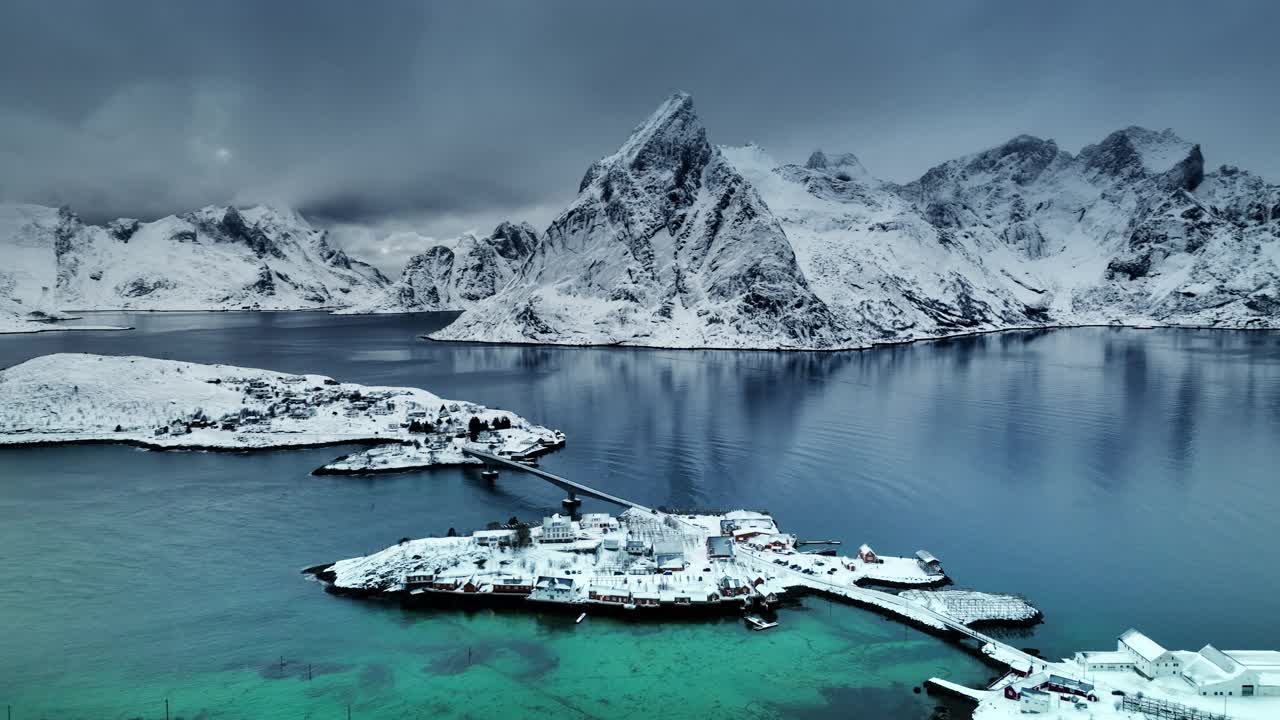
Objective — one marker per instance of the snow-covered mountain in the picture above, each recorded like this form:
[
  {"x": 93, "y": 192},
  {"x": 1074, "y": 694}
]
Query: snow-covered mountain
[
  {"x": 210, "y": 259},
  {"x": 666, "y": 244},
  {"x": 674, "y": 242},
  {"x": 457, "y": 274},
  {"x": 28, "y": 274}
]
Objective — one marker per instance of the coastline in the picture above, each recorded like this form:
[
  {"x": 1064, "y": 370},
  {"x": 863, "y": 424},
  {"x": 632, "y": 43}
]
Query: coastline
[{"x": 853, "y": 348}]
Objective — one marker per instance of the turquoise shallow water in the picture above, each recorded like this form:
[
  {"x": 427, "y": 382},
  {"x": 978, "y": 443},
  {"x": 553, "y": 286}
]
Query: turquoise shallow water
[{"x": 1115, "y": 477}]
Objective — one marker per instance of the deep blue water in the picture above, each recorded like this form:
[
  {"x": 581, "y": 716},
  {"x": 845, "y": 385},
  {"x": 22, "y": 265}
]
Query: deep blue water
[{"x": 1115, "y": 477}]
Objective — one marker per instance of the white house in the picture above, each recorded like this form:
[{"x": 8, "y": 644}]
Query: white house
[
  {"x": 556, "y": 589},
  {"x": 1149, "y": 657},
  {"x": 557, "y": 528}
]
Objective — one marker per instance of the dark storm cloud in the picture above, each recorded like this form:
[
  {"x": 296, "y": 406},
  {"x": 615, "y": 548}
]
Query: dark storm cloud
[{"x": 447, "y": 116}]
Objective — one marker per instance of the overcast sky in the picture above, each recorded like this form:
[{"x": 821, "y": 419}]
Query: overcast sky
[{"x": 434, "y": 118}]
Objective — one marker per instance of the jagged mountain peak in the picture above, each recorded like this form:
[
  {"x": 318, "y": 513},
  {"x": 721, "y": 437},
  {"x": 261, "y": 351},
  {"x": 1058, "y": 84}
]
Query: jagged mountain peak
[
  {"x": 673, "y": 124},
  {"x": 664, "y": 155},
  {"x": 1134, "y": 152},
  {"x": 232, "y": 219},
  {"x": 514, "y": 241},
  {"x": 1023, "y": 158},
  {"x": 666, "y": 242},
  {"x": 844, "y": 166}
]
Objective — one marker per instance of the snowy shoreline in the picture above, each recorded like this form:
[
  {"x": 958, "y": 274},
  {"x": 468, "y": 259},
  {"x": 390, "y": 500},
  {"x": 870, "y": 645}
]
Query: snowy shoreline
[{"x": 857, "y": 348}]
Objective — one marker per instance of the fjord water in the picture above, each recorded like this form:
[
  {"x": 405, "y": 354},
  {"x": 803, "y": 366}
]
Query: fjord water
[{"x": 1115, "y": 477}]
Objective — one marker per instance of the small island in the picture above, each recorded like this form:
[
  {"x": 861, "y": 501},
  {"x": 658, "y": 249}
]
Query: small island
[
  {"x": 649, "y": 564},
  {"x": 16, "y": 321},
  {"x": 170, "y": 405}
]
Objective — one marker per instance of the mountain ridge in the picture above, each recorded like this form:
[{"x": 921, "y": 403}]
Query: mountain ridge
[
  {"x": 1130, "y": 230},
  {"x": 213, "y": 258}
]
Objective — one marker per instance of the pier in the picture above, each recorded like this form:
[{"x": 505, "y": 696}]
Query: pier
[
  {"x": 886, "y": 601},
  {"x": 574, "y": 489}
]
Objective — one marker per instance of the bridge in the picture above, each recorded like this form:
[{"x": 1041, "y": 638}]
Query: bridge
[{"x": 574, "y": 489}]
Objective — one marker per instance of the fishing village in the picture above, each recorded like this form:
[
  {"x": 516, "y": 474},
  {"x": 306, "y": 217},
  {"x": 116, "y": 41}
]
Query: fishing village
[{"x": 655, "y": 564}]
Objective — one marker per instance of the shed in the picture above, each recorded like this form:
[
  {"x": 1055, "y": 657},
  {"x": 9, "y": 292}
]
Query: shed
[
  {"x": 928, "y": 562},
  {"x": 867, "y": 555}
]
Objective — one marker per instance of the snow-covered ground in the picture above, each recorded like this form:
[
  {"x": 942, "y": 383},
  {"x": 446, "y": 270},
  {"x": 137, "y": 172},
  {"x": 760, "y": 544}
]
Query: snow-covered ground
[{"x": 67, "y": 398}]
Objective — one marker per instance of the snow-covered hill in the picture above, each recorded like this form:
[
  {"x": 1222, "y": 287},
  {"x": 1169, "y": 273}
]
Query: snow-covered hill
[
  {"x": 674, "y": 242},
  {"x": 210, "y": 259},
  {"x": 666, "y": 244},
  {"x": 457, "y": 274}
]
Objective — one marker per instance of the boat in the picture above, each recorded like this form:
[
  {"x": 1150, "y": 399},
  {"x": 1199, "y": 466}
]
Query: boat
[
  {"x": 489, "y": 474},
  {"x": 581, "y": 617},
  {"x": 758, "y": 623}
]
